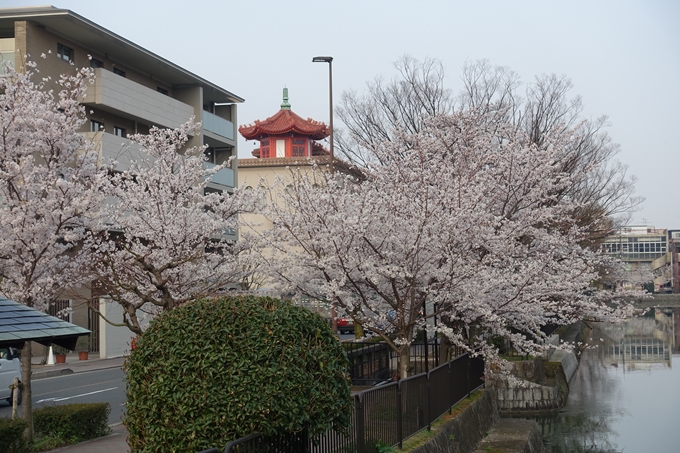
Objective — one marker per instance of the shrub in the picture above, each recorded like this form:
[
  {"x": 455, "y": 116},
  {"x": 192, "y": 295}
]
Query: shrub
[
  {"x": 12, "y": 436},
  {"x": 216, "y": 370},
  {"x": 72, "y": 422}
]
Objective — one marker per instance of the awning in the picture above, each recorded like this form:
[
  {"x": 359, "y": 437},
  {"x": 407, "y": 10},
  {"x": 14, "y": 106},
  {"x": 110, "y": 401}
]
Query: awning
[{"x": 19, "y": 323}]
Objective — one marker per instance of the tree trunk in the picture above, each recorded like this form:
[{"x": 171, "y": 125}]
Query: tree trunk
[
  {"x": 358, "y": 330},
  {"x": 27, "y": 404},
  {"x": 404, "y": 361}
]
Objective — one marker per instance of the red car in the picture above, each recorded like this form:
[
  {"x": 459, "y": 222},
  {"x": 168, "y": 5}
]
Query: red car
[{"x": 345, "y": 325}]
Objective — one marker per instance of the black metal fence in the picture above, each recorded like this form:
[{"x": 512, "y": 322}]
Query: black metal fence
[
  {"x": 384, "y": 415},
  {"x": 371, "y": 363}
]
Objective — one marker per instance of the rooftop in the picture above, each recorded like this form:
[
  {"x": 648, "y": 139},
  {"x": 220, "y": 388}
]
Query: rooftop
[{"x": 82, "y": 31}]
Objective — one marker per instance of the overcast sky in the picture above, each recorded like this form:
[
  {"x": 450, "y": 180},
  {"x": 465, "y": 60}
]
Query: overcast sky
[{"x": 623, "y": 58}]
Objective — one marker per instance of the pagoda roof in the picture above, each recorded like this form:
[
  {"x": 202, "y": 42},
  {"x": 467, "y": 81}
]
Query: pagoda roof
[{"x": 285, "y": 122}]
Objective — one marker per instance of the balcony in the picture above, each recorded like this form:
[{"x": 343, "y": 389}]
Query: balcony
[
  {"x": 217, "y": 125},
  {"x": 130, "y": 99},
  {"x": 224, "y": 177}
]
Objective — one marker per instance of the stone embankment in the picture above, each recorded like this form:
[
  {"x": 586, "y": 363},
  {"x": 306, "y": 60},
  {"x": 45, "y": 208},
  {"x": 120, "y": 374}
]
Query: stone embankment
[
  {"x": 537, "y": 385},
  {"x": 541, "y": 384}
]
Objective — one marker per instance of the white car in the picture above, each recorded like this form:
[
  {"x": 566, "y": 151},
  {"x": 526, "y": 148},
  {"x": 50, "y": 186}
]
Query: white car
[{"x": 10, "y": 367}]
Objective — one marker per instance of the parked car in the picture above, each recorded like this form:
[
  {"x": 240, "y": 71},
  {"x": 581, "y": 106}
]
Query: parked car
[
  {"x": 345, "y": 325},
  {"x": 10, "y": 367}
]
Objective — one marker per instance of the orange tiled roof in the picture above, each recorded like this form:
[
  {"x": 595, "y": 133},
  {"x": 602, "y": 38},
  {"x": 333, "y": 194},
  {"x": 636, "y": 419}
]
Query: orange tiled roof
[{"x": 285, "y": 122}]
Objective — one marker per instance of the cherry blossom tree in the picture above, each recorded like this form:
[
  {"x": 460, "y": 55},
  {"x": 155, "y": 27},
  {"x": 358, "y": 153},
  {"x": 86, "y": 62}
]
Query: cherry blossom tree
[
  {"x": 465, "y": 215},
  {"x": 538, "y": 109},
  {"x": 49, "y": 176},
  {"x": 166, "y": 238}
]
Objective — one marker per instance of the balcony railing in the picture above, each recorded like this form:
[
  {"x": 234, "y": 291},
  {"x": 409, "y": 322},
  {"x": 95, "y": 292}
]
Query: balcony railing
[
  {"x": 133, "y": 100},
  {"x": 224, "y": 177},
  {"x": 217, "y": 125},
  {"x": 8, "y": 56},
  {"x": 117, "y": 148}
]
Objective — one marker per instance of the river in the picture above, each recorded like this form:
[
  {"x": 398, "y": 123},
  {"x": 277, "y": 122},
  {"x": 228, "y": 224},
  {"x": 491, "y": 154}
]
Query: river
[{"x": 625, "y": 395}]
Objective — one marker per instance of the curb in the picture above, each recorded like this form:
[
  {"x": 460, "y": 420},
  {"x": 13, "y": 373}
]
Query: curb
[{"x": 50, "y": 373}]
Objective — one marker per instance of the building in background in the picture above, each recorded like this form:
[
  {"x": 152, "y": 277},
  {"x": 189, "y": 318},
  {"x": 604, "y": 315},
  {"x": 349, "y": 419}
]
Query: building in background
[
  {"x": 287, "y": 144},
  {"x": 674, "y": 244},
  {"x": 133, "y": 90},
  {"x": 644, "y": 248}
]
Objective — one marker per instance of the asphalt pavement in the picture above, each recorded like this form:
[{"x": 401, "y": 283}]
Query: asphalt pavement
[{"x": 116, "y": 442}]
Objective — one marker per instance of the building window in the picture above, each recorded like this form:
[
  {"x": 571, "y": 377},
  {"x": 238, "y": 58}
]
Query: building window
[
  {"x": 264, "y": 152},
  {"x": 64, "y": 53},
  {"x": 96, "y": 126},
  {"x": 120, "y": 72},
  {"x": 94, "y": 63},
  {"x": 119, "y": 132},
  {"x": 298, "y": 151},
  {"x": 162, "y": 90}
]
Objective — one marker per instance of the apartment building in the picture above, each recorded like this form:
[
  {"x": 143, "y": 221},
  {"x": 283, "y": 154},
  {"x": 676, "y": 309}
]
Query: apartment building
[
  {"x": 644, "y": 248},
  {"x": 133, "y": 90}
]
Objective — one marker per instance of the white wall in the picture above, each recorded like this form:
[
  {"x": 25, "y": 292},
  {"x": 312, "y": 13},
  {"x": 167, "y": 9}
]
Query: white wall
[{"x": 113, "y": 341}]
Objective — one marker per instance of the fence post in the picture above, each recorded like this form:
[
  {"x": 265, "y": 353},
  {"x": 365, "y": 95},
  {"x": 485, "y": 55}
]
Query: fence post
[
  {"x": 429, "y": 404},
  {"x": 450, "y": 387},
  {"x": 399, "y": 421},
  {"x": 468, "y": 375},
  {"x": 359, "y": 418}
]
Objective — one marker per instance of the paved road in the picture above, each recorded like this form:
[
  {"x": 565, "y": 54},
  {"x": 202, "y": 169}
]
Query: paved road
[{"x": 88, "y": 387}]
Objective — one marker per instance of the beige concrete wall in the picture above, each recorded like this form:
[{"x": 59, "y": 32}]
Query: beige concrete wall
[{"x": 192, "y": 96}]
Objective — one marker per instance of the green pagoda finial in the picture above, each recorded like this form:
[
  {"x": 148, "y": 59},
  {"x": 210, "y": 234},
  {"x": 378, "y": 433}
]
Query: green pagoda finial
[{"x": 286, "y": 104}]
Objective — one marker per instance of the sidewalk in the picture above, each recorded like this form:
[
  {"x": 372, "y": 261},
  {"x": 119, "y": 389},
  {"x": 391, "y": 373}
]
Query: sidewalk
[
  {"x": 114, "y": 442},
  {"x": 73, "y": 365}
]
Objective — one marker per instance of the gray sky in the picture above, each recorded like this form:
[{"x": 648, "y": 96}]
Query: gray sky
[{"x": 622, "y": 56}]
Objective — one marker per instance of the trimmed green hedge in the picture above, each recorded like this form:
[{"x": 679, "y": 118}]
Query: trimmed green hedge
[
  {"x": 76, "y": 422},
  {"x": 216, "y": 370},
  {"x": 12, "y": 436}
]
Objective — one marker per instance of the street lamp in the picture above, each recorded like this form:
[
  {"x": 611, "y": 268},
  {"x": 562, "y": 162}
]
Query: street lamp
[{"x": 329, "y": 60}]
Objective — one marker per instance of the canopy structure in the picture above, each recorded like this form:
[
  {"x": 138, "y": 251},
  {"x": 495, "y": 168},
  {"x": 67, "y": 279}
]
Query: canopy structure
[{"x": 19, "y": 323}]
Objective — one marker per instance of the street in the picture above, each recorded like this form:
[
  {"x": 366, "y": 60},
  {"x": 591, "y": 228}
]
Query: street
[{"x": 88, "y": 387}]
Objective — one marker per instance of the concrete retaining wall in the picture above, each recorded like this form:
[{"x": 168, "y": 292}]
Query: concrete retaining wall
[{"x": 463, "y": 433}]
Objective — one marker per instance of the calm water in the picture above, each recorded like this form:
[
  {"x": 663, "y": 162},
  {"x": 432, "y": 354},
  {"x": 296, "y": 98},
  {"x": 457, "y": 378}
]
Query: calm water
[{"x": 625, "y": 396}]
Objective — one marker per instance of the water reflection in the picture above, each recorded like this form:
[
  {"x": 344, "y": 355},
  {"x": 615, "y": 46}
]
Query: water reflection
[{"x": 626, "y": 393}]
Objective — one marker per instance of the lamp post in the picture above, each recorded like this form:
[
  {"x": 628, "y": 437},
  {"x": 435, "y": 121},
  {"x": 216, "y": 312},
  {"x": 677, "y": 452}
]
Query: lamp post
[{"x": 329, "y": 60}]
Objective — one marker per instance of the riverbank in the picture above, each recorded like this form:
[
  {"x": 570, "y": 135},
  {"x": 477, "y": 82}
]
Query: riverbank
[
  {"x": 477, "y": 428},
  {"x": 659, "y": 300}
]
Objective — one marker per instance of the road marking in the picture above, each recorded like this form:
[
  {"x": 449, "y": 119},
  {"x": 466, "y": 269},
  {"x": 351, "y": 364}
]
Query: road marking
[
  {"x": 71, "y": 388},
  {"x": 75, "y": 396}
]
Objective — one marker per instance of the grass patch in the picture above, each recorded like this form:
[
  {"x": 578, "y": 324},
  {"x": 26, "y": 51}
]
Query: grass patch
[{"x": 425, "y": 436}]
